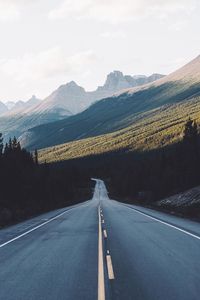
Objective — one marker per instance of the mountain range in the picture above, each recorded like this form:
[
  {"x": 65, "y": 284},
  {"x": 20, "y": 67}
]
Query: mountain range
[
  {"x": 119, "y": 111},
  {"x": 70, "y": 99},
  {"x": 12, "y": 108},
  {"x": 67, "y": 100}
]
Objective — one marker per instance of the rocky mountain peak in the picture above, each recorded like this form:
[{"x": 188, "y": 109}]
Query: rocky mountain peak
[
  {"x": 33, "y": 100},
  {"x": 72, "y": 84},
  {"x": 114, "y": 79},
  {"x": 70, "y": 87}
]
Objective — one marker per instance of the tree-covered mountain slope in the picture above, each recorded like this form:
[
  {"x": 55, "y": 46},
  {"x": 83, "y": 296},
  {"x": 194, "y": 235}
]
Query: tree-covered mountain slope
[
  {"x": 119, "y": 111},
  {"x": 151, "y": 130}
]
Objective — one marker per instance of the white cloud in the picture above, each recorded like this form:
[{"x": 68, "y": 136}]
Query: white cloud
[
  {"x": 9, "y": 11},
  {"x": 46, "y": 64},
  {"x": 113, "y": 34},
  {"x": 178, "y": 25},
  {"x": 115, "y": 11}
]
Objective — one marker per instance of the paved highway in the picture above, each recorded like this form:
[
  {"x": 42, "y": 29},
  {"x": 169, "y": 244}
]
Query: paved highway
[{"x": 101, "y": 249}]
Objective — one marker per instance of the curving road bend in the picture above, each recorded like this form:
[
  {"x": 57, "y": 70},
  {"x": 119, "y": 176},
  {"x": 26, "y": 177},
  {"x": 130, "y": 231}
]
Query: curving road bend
[{"x": 101, "y": 249}]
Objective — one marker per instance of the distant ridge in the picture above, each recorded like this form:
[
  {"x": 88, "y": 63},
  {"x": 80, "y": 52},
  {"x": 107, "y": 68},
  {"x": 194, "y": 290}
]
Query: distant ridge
[
  {"x": 67, "y": 100},
  {"x": 190, "y": 72},
  {"x": 21, "y": 107},
  {"x": 119, "y": 111},
  {"x": 71, "y": 98}
]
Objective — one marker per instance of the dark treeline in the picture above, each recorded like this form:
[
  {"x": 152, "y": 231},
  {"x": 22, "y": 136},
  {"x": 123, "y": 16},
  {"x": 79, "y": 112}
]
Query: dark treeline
[
  {"x": 145, "y": 177},
  {"x": 156, "y": 174},
  {"x": 27, "y": 189}
]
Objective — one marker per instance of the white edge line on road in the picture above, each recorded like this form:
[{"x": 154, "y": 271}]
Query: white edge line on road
[
  {"x": 110, "y": 267},
  {"x": 165, "y": 223},
  {"x": 35, "y": 228},
  {"x": 101, "y": 283}
]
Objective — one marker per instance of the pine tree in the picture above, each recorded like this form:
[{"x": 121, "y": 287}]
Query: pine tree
[
  {"x": 1, "y": 144},
  {"x": 36, "y": 156},
  {"x": 18, "y": 147},
  {"x": 190, "y": 130},
  {"x": 191, "y": 152},
  {"x": 10, "y": 144},
  {"x": 6, "y": 149},
  {"x": 14, "y": 143},
  {"x": 191, "y": 137}
]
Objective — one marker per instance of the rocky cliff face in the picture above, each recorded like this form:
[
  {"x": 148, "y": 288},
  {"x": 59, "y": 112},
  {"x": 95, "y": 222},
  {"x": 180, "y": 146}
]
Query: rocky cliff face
[{"x": 117, "y": 81}]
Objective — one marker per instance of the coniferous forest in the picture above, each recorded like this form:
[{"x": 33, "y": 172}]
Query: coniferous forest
[{"x": 28, "y": 188}]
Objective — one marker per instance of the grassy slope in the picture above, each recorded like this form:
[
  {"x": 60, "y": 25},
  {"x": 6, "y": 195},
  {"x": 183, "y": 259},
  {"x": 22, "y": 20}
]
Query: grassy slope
[{"x": 150, "y": 130}]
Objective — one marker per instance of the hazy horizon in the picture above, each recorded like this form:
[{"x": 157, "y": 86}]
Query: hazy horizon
[{"x": 45, "y": 44}]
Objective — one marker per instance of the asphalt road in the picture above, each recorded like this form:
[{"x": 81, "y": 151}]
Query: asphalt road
[{"x": 101, "y": 249}]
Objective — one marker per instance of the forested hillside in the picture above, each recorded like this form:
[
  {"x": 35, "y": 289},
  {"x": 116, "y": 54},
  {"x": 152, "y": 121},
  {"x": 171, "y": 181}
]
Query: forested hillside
[
  {"x": 27, "y": 188},
  {"x": 146, "y": 177},
  {"x": 152, "y": 130},
  {"x": 119, "y": 111}
]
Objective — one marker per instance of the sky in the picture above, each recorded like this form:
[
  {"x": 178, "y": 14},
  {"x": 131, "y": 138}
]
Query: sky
[{"x": 46, "y": 43}]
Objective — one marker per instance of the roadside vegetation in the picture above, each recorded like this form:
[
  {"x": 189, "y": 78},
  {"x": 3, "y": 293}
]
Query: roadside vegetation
[
  {"x": 28, "y": 189},
  {"x": 144, "y": 177}
]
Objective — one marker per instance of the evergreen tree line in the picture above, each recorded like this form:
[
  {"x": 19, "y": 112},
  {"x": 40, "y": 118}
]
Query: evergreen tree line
[
  {"x": 146, "y": 177},
  {"x": 27, "y": 188}
]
